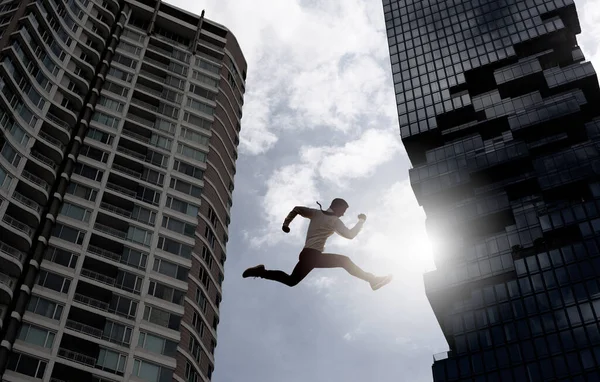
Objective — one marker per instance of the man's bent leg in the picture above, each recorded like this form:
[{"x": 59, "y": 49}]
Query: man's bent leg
[
  {"x": 330, "y": 260},
  {"x": 300, "y": 271}
]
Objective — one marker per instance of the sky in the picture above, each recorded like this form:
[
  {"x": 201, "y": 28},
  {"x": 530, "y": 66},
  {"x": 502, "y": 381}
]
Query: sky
[{"x": 320, "y": 122}]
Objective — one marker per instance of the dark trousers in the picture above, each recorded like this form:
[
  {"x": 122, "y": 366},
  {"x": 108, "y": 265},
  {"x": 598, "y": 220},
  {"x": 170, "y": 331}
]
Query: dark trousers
[{"x": 310, "y": 259}]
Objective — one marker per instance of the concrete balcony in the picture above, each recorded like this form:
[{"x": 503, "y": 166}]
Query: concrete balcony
[
  {"x": 11, "y": 260},
  {"x": 7, "y": 284}
]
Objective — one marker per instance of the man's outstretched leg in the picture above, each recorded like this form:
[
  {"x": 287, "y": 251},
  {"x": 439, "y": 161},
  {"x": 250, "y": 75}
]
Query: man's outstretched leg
[{"x": 330, "y": 260}]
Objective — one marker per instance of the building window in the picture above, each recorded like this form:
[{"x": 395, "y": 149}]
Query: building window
[
  {"x": 68, "y": 234},
  {"x": 188, "y": 169},
  {"x": 166, "y": 293},
  {"x": 203, "y": 276},
  {"x": 201, "y": 299},
  {"x": 106, "y": 120},
  {"x": 170, "y": 269},
  {"x": 111, "y": 361},
  {"x": 162, "y": 317},
  {"x": 178, "y": 226},
  {"x": 27, "y": 365},
  {"x": 36, "y": 336},
  {"x": 210, "y": 236},
  {"x": 61, "y": 257},
  {"x": 53, "y": 281},
  {"x": 138, "y": 235},
  {"x": 84, "y": 192},
  {"x": 100, "y": 136},
  {"x": 181, "y": 206},
  {"x": 150, "y": 372},
  {"x": 174, "y": 247},
  {"x": 75, "y": 212},
  {"x": 88, "y": 172},
  {"x": 190, "y": 152},
  {"x": 185, "y": 187},
  {"x": 44, "y": 307},
  {"x": 190, "y": 373},
  {"x": 157, "y": 344},
  {"x": 200, "y": 106}
]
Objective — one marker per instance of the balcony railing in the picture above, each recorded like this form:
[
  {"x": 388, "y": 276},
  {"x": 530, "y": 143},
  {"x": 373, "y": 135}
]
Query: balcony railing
[
  {"x": 26, "y": 201},
  {"x": 83, "y": 328},
  {"x": 77, "y": 357},
  {"x": 132, "y": 153},
  {"x": 13, "y": 252},
  {"x": 145, "y": 88},
  {"x": 36, "y": 180},
  {"x": 6, "y": 280},
  {"x": 210, "y": 45},
  {"x": 136, "y": 136},
  {"x": 51, "y": 140},
  {"x": 141, "y": 120},
  {"x": 17, "y": 224},
  {"x": 104, "y": 253},
  {"x": 147, "y": 105},
  {"x": 153, "y": 76},
  {"x": 98, "y": 277},
  {"x": 175, "y": 55},
  {"x": 157, "y": 63},
  {"x": 58, "y": 121},
  {"x": 122, "y": 190},
  {"x": 91, "y": 302},
  {"x": 115, "y": 209},
  {"x": 127, "y": 171},
  {"x": 44, "y": 159},
  {"x": 111, "y": 231}
]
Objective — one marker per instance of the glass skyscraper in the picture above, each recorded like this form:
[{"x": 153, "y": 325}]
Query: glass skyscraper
[
  {"x": 119, "y": 124},
  {"x": 499, "y": 113}
]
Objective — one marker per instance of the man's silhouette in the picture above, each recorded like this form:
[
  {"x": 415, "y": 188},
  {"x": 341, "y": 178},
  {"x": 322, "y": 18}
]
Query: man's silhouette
[{"x": 322, "y": 225}]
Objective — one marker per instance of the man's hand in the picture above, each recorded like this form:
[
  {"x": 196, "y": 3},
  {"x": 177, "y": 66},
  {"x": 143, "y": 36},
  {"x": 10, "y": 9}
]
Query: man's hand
[
  {"x": 362, "y": 217},
  {"x": 285, "y": 229}
]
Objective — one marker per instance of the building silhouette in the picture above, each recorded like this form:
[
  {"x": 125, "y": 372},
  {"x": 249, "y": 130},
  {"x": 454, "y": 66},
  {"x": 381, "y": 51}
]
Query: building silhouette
[
  {"x": 499, "y": 114},
  {"x": 120, "y": 123}
]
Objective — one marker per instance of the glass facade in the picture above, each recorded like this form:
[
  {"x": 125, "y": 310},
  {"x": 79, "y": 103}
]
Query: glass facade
[{"x": 499, "y": 114}]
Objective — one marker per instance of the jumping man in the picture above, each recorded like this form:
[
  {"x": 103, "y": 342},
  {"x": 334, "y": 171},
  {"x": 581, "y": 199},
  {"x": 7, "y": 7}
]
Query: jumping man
[{"x": 322, "y": 225}]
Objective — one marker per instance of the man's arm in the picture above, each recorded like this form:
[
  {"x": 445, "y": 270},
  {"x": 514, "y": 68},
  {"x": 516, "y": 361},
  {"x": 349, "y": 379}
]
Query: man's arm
[
  {"x": 298, "y": 210},
  {"x": 343, "y": 231}
]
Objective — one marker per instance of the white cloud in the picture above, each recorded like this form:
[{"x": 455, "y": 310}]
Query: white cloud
[
  {"x": 299, "y": 184},
  {"x": 321, "y": 283},
  {"x": 589, "y": 18},
  {"x": 356, "y": 159},
  {"x": 310, "y": 64},
  {"x": 287, "y": 187}
]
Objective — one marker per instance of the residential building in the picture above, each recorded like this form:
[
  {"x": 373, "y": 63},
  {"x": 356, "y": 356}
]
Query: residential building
[{"x": 120, "y": 124}]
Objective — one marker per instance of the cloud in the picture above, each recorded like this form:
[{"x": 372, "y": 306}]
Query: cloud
[
  {"x": 287, "y": 187},
  {"x": 320, "y": 167},
  {"x": 589, "y": 18},
  {"x": 311, "y": 64},
  {"x": 356, "y": 159},
  {"x": 322, "y": 283}
]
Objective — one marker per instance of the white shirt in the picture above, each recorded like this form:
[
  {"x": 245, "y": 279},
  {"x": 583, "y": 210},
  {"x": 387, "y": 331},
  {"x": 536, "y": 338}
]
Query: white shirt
[{"x": 322, "y": 226}]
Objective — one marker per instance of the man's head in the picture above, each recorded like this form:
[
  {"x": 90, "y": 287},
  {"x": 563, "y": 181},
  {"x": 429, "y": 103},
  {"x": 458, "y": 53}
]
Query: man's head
[{"x": 339, "y": 206}]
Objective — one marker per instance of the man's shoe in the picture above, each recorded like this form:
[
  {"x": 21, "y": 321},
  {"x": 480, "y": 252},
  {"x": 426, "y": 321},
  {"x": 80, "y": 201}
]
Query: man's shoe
[
  {"x": 381, "y": 281},
  {"x": 256, "y": 271}
]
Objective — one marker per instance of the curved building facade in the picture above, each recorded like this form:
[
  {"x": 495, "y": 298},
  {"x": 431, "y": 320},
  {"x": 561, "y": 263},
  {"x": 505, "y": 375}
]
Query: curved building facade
[{"x": 120, "y": 125}]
